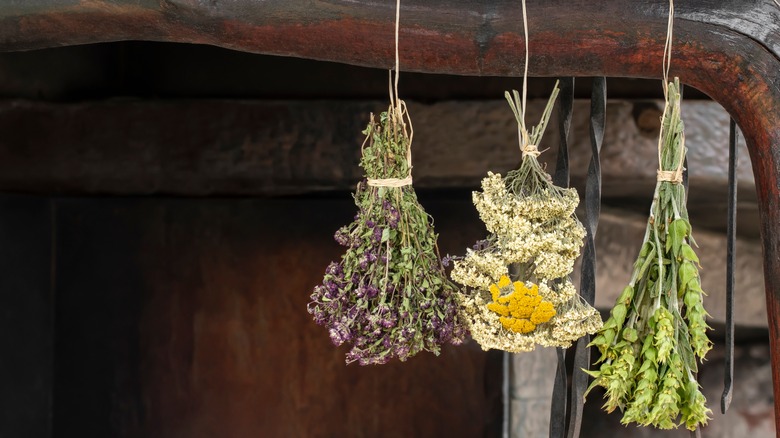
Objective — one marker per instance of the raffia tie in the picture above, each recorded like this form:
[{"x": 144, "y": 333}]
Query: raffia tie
[
  {"x": 672, "y": 176},
  {"x": 390, "y": 182},
  {"x": 531, "y": 149}
]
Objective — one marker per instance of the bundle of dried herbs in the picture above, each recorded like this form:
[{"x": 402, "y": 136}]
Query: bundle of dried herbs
[
  {"x": 657, "y": 329},
  {"x": 534, "y": 238},
  {"x": 388, "y": 297}
]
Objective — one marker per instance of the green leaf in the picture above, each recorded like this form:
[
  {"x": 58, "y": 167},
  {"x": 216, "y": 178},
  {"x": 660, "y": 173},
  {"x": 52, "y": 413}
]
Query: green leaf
[
  {"x": 626, "y": 295},
  {"x": 619, "y": 314},
  {"x": 630, "y": 334},
  {"x": 686, "y": 273},
  {"x": 689, "y": 254},
  {"x": 679, "y": 229},
  {"x": 385, "y": 234}
]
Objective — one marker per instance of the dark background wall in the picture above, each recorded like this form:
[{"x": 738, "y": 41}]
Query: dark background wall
[{"x": 186, "y": 318}]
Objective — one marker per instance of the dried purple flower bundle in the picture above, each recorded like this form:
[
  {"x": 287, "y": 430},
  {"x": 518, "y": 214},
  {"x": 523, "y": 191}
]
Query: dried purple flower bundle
[{"x": 388, "y": 297}]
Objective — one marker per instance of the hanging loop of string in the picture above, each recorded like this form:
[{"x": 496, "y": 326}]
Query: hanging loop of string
[
  {"x": 525, "y": 146},
  {"x": 398, "y": 115},
  {"x": 674, "y": 176},
  {"x": 667, "y": 57}
]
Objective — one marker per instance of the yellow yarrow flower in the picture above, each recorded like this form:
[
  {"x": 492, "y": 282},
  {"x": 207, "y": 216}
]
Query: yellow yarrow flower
[{"x": 520, "y": 308}]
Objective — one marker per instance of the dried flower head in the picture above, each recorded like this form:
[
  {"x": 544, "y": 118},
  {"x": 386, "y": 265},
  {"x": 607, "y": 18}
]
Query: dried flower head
[
  {"x": 534, "y": 232},
  {"x": 388, "y": 297}
]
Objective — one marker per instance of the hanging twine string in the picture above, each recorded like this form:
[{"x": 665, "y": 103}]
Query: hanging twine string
[
  {"x": 398, "y": 115},
  {"x": 667, "y": 58},
  {"x": 525, "y": 146},
  {"x": 674, "y": 176}
]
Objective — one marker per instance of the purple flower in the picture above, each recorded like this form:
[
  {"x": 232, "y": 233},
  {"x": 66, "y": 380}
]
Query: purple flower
[
  {"x": 480, "y": 245},
  {"x": 393, "y": 218},
  {"x": 370, "y": 223},
  {"x": 402, "y": 351},
  {"x": 377, "y": 235},
  {"x": 336, "y": 336},
  {"x": 334, "y": 269},
  {"x": 446, "y": 260},
  {"x": 341, "y": 238},
  {"x": 362, "y": 290}
]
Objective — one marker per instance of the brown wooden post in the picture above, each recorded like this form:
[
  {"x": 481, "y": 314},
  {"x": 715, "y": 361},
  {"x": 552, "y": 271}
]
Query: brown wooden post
[{"x": 728, "y": 50}]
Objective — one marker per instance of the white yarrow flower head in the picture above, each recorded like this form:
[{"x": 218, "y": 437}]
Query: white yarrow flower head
[{"x": 534, "y": 237}]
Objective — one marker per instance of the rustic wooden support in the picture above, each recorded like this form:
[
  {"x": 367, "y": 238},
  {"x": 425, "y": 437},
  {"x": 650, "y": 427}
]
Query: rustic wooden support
[
  {"x": 27, "y": 321},
  {"x": 728, "y": 50},
  {"x": 186, "y": 318}
]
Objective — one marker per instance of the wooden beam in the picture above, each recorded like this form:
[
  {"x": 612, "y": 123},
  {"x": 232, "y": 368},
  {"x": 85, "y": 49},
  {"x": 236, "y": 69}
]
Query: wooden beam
[{"x": 229, "y": 147}]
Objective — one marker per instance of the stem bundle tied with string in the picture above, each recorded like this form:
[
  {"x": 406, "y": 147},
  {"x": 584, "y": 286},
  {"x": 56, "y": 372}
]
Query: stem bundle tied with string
[
  {"x": 534, "y": 239},
  {"x": 656, "y": 331},
  {"x": 388, "y": 297}
]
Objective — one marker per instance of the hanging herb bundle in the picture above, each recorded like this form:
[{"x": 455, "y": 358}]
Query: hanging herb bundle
[
  {"x": 388, "y": 297},
  {"x": 657, "y": 330},
  {"x": 534, "y": 238}
]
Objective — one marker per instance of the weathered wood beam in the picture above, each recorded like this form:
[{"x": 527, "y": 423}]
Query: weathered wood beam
[
  {"x": 205, "y": 147},
  {"x": 229, "y": 147},
  {"x": 471, "y": 37}
]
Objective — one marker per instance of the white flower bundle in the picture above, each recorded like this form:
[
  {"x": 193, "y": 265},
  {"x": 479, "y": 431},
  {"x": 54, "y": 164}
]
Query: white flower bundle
[{"x": 534, "y": 238}]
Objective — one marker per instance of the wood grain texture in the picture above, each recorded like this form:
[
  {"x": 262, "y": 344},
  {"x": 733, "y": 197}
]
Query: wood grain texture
[{"x": 187, "y": 318}]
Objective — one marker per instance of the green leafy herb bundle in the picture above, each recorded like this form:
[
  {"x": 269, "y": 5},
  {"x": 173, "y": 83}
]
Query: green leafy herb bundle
[
  {"x": 388, "y": 297},
  {"x": 656, "y": 331}
]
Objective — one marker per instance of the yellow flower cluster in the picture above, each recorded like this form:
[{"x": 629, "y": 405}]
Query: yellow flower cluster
[{"x": 521, "y": 309}]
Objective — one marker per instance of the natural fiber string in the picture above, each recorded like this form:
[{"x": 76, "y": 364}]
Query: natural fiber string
[
  {"x": 397, "y": 58},
  {"x": 524, "y": 138},
  {"x": 532, "y": 150},
  {"x": 527, "y": 149},
  {"x": 673, "y": 176},
  {"x": 390, "y": 182},
  {"x": 398, "y": 114},
  {"x": 525, "y": 72},
  {"x": 667, "y": 57}
]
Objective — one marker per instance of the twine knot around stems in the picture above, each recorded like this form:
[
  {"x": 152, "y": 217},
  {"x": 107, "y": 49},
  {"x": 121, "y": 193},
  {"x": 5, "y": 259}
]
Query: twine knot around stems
[
  {"x": 672, "y": 176},
  {"x": 671, "y": 140},
  {"x": 531, "y": 149},
  {"x": 390, "y": 182}
]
